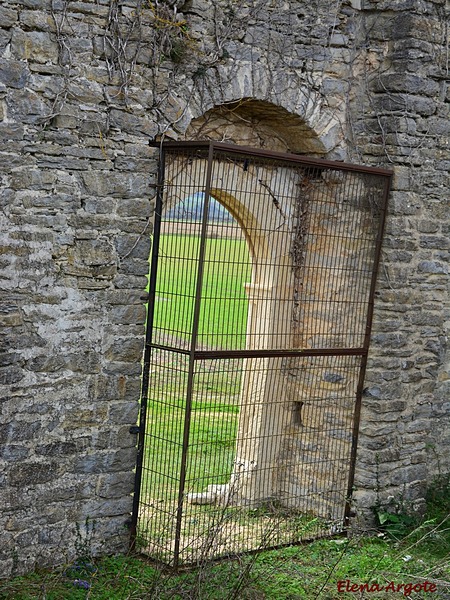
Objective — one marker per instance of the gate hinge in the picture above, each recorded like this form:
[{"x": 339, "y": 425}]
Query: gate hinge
[{"x": 135, "y": 429}]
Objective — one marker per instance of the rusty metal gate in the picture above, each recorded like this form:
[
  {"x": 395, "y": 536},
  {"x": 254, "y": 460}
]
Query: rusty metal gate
[{"x": 262, "y": 283}]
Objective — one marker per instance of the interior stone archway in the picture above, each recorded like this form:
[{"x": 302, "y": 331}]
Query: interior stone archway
[
  {"x": 280, "y": 433},
  {"x": 283, "y": 400},
  {"x": 261, "y": 124}
]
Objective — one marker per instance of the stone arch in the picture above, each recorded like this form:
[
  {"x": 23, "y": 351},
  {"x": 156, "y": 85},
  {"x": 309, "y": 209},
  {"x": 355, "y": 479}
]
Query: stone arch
[
  {"x": 257, "y": 475},
  {"x": 301, "y": 115},
  {"x": 245, "y": 116},
  {"x": 257, "y": 123}
]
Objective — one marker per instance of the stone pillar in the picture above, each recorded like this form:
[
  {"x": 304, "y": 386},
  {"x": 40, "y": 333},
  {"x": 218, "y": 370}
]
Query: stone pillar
[{"x": 263, "y": 414}]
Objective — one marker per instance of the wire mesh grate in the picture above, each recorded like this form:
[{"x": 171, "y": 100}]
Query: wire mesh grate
[{"x": 261, "y": 297}]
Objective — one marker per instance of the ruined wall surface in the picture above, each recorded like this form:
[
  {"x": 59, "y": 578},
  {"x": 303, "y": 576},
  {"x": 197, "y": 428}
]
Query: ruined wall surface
[
  {"x": 83, "y": 87},
  {"x": 75, "y": 196}
]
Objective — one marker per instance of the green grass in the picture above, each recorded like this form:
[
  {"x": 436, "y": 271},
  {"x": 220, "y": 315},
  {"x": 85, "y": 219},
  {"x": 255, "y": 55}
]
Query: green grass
[
  {"x": 211, "y": 449},
  {"x": 224, "y": 305}
]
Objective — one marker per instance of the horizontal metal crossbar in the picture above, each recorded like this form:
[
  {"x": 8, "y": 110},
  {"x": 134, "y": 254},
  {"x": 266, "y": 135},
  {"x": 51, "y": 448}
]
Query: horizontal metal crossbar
[
  {"x": 218, "y": 354},
  {"x": 286, "y": 157}
]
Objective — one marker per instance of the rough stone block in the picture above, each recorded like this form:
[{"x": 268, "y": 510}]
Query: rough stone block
[
  {"x": 134, "y": 314},
  {"x": 8, "y": 16},
  {"x": 127, "y": 163},
  {"x": 37, "y": 20},
  {"x": 124, "y": 412},
  {"x": 5, "y": 38},
  {"x": 103, "y": 388},
  {"x": 130, "y": 123},
  {"x": 85, "y": 91},
  {"x": 38, "y": 46},
  {"x": 14, "y": 453},
  {"x": 127, "y": 369},
  {"x": 60, "y": 448},
  {"x": 134, "y": 207},
  {"x": 10, "y": 314},
  {"x": 406, "y": 82},
  {"x": 116, "y": 485},
  {"x": 433, "y": 267},
  {"x": 95, "y": 125},
  {"x": 130, "y": 282},
  {"x": 11, "y": 375},
  {"x": 404, "y": 103},
  {"x": 125, "y": 350},
  {"x": 84, "y": 362},
  {"x": 14, "y": 74},
  {"x": 428, "y": 226},
  {"x": 108, "y": 462},
  {"x": 126, "y": 185},
  {"x": 33, "y": 473},
  {"x": 27, "y": 107},
  {"x": 135, "y": 266}
]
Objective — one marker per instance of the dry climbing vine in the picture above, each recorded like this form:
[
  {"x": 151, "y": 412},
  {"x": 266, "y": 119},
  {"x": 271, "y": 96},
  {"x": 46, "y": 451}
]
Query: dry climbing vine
[
  {"x": 157, "y": 25},
  {"x": 150, "y": 33}
]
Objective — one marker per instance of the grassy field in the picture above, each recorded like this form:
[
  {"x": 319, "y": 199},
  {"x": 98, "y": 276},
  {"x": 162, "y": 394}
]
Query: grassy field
[
  {"x": 224, "y": 305},
  {"x": 211, "y": 452}
]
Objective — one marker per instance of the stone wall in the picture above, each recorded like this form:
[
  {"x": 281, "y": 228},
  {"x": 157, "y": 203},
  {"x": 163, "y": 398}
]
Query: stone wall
[
  {"x": 401, "y": 118},
  {"x": 76, "y": 195},
  {"x": 83, "y": 87}
]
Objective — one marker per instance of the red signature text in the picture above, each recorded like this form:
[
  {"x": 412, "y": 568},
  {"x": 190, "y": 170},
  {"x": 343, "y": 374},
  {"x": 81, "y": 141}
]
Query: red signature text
[{"x": 405, "y": 588}]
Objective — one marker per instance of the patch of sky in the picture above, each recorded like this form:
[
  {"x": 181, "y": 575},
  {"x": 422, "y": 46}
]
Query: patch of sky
[{"x": 191, "y": 209}]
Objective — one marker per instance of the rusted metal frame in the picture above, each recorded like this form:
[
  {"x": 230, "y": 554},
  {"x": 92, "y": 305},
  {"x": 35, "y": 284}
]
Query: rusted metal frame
[
  {"x": 195, "y": 355},
  {"x": 281, "y": 156},
  {"x": 192, "y": 360},
  {"x": 212, "y": 354},
  {"x": 148, "y": 350},
  {"x": 368, "y": 331}
]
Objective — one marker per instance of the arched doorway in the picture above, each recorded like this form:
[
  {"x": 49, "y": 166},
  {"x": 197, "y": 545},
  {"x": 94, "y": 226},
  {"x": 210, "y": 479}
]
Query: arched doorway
[{"x": 253, "y": 444}]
